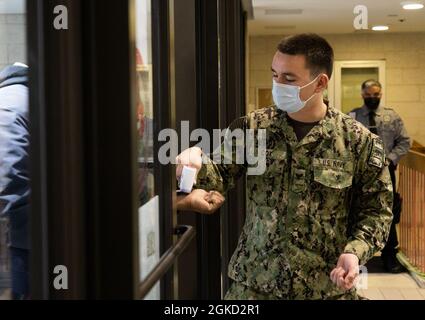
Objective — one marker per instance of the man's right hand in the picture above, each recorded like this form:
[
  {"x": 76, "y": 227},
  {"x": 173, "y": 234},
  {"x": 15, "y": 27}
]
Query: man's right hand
[{"x": 191, "y": 157}]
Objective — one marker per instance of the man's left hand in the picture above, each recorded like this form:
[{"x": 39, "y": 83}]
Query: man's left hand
[
  {"x": 346, "y": 271},
  {"x": 200, "y": 201}
]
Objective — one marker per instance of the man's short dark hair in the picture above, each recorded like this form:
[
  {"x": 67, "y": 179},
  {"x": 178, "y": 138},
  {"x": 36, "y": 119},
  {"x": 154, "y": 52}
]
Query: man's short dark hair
[
  {"x": 318, "y": 53},
  {"x": 371, "y": 83}
]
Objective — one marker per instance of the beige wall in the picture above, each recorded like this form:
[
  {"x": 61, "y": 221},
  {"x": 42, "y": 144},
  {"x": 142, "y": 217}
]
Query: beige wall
[
  {"x": 405, "y": 69},
  {"x": 12, "y": 39}
]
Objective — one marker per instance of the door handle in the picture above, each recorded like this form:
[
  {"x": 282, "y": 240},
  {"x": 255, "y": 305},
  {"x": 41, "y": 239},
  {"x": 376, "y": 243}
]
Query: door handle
[{"x": 186, "y": 233}]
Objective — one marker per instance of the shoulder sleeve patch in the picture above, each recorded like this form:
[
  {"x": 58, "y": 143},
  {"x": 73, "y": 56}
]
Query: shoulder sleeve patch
[
  {"x": 240, "y": 123},
  {"x": 377, "y": 155}
]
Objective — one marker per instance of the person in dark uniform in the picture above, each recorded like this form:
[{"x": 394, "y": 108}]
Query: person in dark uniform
[
  {"x": 14, "y": 171},
  {"x": 388, "y": 125}
]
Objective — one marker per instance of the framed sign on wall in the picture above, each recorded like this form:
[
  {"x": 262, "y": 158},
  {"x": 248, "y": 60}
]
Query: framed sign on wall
[{"x": 264, "y": 97}]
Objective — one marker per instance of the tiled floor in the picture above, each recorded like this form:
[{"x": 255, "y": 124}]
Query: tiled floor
[
  {"x": 386, "y": 286},
  {"x": 380, "y": 286}
]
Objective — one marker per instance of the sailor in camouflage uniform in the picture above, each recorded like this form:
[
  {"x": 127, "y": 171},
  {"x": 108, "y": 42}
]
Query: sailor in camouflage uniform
[{"x": 323, "y": 200}]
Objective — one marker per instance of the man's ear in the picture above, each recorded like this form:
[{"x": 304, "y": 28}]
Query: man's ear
[{"x": 322, "y": 83}]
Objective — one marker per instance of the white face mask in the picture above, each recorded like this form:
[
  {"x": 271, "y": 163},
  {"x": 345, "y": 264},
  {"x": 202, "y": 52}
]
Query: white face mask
[{"x": 287, "y": 97}]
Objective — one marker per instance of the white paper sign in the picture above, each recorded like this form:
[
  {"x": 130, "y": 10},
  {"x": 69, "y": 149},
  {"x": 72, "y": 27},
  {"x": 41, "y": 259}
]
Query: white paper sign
[{"x": 149, "y": 242}]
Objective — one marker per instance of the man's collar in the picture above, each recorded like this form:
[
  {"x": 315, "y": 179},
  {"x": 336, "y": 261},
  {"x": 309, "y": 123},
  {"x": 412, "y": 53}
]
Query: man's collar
[
  {"x": 323, "y": 130},
  {"x": 365, "y": 110}
]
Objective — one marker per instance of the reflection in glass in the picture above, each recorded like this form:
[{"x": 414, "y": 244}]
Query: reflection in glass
[
  {"x": 148, "y": 202},
  {"x": 145, "y": 103}
]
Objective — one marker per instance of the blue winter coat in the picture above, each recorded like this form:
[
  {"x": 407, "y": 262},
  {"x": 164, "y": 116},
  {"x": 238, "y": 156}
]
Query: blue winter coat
[{"x": 14, "y": 148}]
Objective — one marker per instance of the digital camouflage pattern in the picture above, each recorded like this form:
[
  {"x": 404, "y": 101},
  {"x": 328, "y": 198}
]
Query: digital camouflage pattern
[
  {"x": 328, "y": 194},
  {"x": 239, "y": 291}
]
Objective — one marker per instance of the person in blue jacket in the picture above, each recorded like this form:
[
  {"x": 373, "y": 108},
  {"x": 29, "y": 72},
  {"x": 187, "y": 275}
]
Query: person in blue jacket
[{"x": 14, "y": 175}]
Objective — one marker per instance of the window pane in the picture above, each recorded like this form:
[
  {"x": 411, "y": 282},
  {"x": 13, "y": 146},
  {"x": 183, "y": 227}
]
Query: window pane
[
  {"x": 149, "y": 202},
  {"x": 145, "y": 107}
]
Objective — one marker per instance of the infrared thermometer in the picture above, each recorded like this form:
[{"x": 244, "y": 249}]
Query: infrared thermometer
[{"x": 187, "y": 179}]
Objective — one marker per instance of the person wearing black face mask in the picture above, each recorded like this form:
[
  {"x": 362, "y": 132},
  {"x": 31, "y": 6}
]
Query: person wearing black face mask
[
  {"x": 387, "y": 124},
  {"x": 372, "y": 103}
]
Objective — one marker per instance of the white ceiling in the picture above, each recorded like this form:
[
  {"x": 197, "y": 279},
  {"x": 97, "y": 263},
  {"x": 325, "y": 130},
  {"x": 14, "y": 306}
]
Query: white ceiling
[
  {"x": 331, "y": 16},
  {"x": 12, "y": 6}
]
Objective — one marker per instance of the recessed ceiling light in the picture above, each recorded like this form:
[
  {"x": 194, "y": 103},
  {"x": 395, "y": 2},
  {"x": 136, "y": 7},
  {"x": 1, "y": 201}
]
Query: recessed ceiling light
[
  {"x": 380, "y": 28},
  {"x": 412, "y": 5},
  {"x": 282, "y": 11}
]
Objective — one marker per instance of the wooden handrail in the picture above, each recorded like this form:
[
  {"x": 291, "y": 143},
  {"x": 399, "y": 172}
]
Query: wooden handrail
[
  {"x": 412, "y": 222},
  {"x": 414, "y": 160}
]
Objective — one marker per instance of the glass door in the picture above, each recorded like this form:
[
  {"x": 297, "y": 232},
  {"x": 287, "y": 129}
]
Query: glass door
[
  {"x": 108, "y": 95},
  {"x": 161, "y": 240}
]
